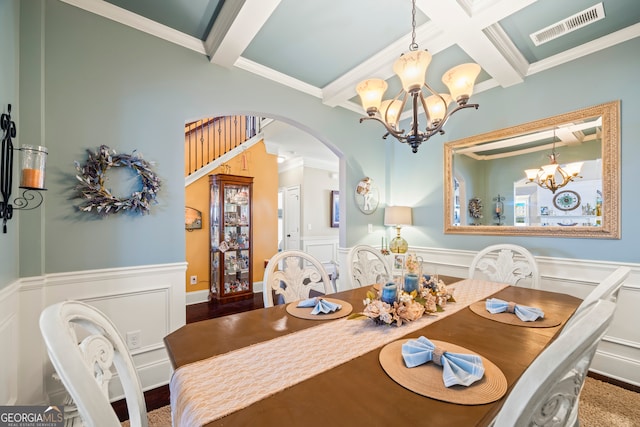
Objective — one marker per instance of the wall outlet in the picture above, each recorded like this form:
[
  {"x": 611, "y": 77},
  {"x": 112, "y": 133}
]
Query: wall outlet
[
  {"x": 133, "y": 339},
  {"x": 370, "y": 228},
  {"x": 193, "y": 280}
]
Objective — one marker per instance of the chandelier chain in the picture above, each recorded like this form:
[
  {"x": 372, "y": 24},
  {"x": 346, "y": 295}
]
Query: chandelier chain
[{"x": 413, "y": 46}]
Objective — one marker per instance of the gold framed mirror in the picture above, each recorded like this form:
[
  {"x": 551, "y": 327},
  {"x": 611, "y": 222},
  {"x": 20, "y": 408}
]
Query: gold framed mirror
[{"x": 487, "y": 191}]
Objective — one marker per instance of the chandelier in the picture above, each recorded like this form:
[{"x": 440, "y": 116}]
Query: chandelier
[
  {"x": 411, "y": 68},
  {"x": 552, "y": 176}
]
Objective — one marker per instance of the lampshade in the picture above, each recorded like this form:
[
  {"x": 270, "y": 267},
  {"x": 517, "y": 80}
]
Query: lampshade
[
  {"x": 574, "y": 169},
  {"x": 460, "y": 81},
  {"x": 397, "y": 216},
  {"x": 532, "y": 174},
  {"x": 411, "y": 68},
  {"x": 371, "y": 92},
  {"x": 436, "y": 108},
  {"x": 390, "y": 112},
  {"x": 549, "y": 170}
]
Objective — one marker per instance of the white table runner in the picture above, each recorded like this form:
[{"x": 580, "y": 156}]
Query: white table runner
[{"x": 209, "y": 389}]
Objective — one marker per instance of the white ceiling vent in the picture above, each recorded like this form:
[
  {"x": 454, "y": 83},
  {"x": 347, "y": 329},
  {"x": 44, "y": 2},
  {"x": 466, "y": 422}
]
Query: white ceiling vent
[{"x": 579, "y": 20}]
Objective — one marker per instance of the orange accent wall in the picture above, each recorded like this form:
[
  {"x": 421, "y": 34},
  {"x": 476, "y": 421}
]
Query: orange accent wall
[{"x": 263, "y": 167}]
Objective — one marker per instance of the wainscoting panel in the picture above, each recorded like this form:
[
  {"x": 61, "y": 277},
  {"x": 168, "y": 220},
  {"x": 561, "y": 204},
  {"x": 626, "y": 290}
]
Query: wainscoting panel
[
  {"x": 148, "y": 299},
  {"x": 152, "y": 299},
  {"x": 10, "y": 346}
]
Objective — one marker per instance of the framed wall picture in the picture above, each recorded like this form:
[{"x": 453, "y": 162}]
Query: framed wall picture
[
  {"x": 397, "y": 264},
  {"x": 335, "y": 209}
]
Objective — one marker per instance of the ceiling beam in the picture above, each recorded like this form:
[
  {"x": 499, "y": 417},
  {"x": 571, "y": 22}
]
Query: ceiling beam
[
  {"x": 235, "y": 27},
  {"x": 130, "y": 19},
  {"x": 464, "y": 31}
]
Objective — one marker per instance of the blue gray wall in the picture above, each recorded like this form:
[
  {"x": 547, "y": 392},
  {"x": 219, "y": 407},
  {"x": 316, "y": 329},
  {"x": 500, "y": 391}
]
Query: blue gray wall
[
  {"x": 9, "y": 57},
  {"x": 105, "y": 83},
  {"x": 92, "y": 81}
]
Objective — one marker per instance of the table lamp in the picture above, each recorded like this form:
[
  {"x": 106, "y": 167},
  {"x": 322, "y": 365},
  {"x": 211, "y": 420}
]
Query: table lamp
[{"x": 397, "y": 216}]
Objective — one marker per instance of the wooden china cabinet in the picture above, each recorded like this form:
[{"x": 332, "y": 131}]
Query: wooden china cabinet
[{"x": 231, "y": 237}]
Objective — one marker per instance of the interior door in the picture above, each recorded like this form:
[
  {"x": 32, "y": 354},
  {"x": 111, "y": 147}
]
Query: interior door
[{"x": 292, "y": 218}]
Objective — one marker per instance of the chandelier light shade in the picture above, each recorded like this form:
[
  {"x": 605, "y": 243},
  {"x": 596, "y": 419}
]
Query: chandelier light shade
[
  {"x": 411, "y": 69},
  {"x": 397, "y": 216},
  {"x": 553, "y": 176}
]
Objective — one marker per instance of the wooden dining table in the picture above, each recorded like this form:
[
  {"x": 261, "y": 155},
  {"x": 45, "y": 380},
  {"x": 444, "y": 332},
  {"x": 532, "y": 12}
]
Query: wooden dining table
[{"x": 357, "y": 391}]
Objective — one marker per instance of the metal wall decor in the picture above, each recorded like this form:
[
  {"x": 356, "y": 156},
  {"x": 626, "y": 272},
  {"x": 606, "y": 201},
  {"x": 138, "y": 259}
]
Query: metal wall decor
[{"x": 32, "y": 172}]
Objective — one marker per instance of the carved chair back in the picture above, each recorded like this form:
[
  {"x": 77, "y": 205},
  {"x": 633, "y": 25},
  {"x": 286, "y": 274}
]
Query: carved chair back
[
  {"x": 292, "y": 276},
  {"x": 505, "y": 263},
  {"x": 366, "y": 266},
  {"x": 83, "y": 345}
]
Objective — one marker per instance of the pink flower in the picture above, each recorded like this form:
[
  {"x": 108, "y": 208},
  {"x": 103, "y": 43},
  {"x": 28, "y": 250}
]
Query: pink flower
[{"x": 410, "y": 311}]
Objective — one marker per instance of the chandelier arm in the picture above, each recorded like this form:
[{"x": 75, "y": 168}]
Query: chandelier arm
[
  {"x": 433, "y": 92},
  {"x": 440, "y": 125},
  {"x": 403, "y": 103},
  {"x": 390, "y": 131},
  {"x": 415, "y": 132},
  {"x": 426, "y": 111}
]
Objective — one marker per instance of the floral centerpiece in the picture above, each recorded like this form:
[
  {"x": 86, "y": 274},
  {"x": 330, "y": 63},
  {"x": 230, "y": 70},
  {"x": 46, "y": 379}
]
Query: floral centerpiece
[{"x": 431, "y": 296}]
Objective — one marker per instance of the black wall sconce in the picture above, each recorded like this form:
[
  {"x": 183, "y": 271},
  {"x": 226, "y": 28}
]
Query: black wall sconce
[{"x": 33, "y": 160}]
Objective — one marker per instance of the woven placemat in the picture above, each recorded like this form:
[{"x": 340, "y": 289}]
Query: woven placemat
[
  {"x": 305, "y": 312},
  {"x": 426, "y": 379},
  {"x": 480, "y": 309}
]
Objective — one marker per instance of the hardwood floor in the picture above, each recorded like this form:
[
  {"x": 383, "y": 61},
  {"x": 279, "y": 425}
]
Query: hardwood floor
[{"x": 159, "y": 397}]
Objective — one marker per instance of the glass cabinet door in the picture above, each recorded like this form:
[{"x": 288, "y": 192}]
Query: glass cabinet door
[{"x": 230, "y": 236}]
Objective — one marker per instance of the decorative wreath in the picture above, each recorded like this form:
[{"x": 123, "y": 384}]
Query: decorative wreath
[{"x": 92, "y": 175}]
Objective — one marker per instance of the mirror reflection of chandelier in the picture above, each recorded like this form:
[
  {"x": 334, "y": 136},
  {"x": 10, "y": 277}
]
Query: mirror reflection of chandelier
[
  {"x": 553, "y": 176},
  {"x": 411, "y": 68}
]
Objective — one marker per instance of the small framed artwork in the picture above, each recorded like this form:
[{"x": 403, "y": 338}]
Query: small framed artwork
[
  {"x": 398, "y": 263},
  {"x": 335, "y": 209}
]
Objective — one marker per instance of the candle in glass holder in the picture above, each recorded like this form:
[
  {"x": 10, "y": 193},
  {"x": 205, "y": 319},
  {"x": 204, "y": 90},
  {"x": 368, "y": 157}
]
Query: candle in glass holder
[
  {"x": 410, "y": 283},
  {"x": 389, "y": 291},
  {"x": 31, "y": 178},
  {"x": 33, "y": 166}
]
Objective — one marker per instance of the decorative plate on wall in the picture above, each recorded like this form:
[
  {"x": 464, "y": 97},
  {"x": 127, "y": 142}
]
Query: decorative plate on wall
[{"x": 366, "y": 196}]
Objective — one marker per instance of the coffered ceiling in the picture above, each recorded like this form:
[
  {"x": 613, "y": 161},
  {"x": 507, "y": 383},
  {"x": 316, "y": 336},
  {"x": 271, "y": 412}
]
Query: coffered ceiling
[{"x": 325, "y": 47}]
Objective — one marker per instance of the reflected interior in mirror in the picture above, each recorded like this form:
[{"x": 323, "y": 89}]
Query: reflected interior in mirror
[{"x": 491, "y": 168}]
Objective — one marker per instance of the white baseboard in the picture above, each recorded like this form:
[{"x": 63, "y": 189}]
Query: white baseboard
[{"x": 196, "y": 297}]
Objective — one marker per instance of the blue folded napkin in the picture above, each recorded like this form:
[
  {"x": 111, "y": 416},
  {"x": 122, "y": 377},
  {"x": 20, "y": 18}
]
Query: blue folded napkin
[
  {"x": 320, "y": 305},
  {"x": 457, "y": 368},
  {"x": 524, "y": 313}
]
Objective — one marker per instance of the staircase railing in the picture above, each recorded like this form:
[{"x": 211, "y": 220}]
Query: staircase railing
[{"x": 208, "y": 139}]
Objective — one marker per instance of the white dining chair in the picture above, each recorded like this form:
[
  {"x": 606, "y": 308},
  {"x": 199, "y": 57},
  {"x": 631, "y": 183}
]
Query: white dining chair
[
  {"x": 367, "y": 266},
  {"x": 549, "y": 389},
  {"x": 84, "y": 365},
  {"x": 608, "y": 290},
  {"x": 505, "y": 263},
  {"x": 294, "y": 275}
]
